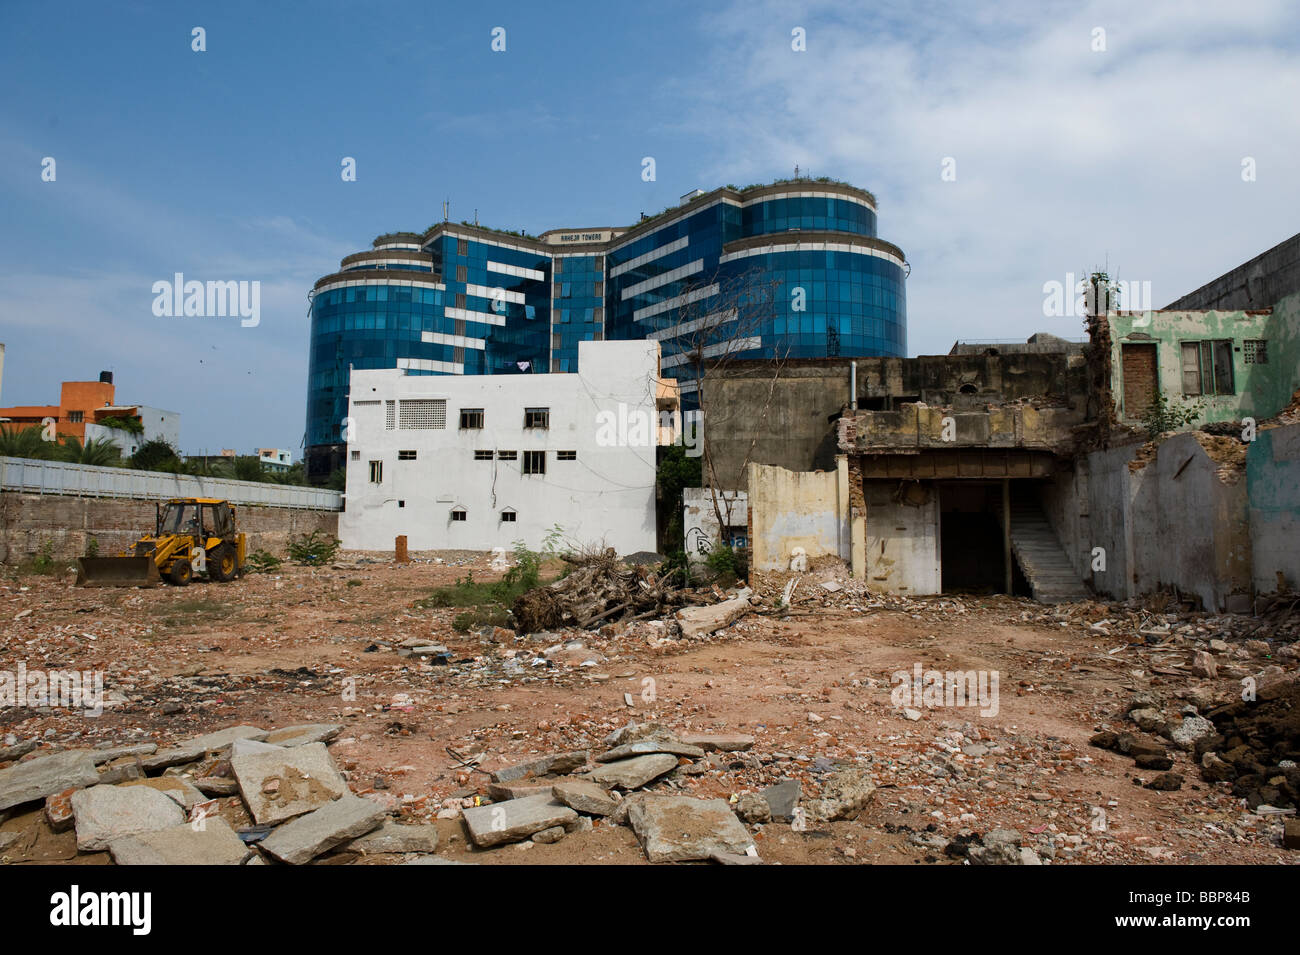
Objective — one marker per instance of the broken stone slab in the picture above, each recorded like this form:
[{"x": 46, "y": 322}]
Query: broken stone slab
[
  {"x": 106, "y": 813},
  {"x": 647, "y": 746},
  {"x": 516, "y": 819},
  {"x": 845, "y": 794},
  {"x": 337, "y": 822},
  {"x": 683, "y": 828},
  {"x": 720, "y": 742},
  {"x": 395, "y": 837},
  {"x": 213, "y": 844},
  {"x": 216, "y": 786},
  {"x": 304, "y": 733},
  {"x": 637, "y": 732},
  {"x": 193, "y": 749},
  {"x": 782, "y": 798},
  {"x": 633, "y": 773},
  {"x": 45, "y": 776},
  {"x": 547, "y": 765},
  {"x": 584, "y": 796},
  {"x": 280, "y": 785},
  {"x": 702, "y": 621},
  {"x": 17, "y": 750},
  {"x": 173, "y": 786},
  {"x": 548, "y": 836},
  {"x": 102, "y": 756},
  {"x": 246, "y": 747},
  {"x": 520, "y": 788},
  {"x": 120, "y": 770}
]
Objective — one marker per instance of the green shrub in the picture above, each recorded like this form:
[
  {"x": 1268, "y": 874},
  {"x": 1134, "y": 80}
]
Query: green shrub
[
  {"x": 92, "y": 547},
  {"x": 314, "y": 548},
  {"x": 262, "y": 562}
]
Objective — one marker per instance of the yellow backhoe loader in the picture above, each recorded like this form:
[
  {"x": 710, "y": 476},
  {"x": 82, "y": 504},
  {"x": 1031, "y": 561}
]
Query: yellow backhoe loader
[{"x": 191, "y": 535}]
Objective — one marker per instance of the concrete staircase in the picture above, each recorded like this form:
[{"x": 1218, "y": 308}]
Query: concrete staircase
[{"x": 1041, "y": 558}]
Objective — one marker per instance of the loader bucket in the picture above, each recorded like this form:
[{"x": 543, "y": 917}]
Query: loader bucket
[{"x": 117, "y": 572}]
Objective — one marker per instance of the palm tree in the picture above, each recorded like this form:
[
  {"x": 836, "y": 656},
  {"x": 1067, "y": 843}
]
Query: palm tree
[
  {"x": 97, "y": 451},
  {"x": 16, "y": 442}
]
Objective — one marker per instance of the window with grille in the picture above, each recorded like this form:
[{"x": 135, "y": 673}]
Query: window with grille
[
  {"x": 537, "y": 417},
  {"x": 507, "y": 455},
  {"x": 76, "y": 417},
  {"x": 566, "y": 455},
  {"x": 559, "y": 266},
  {"x": 367, "y": 403},
  {"x": 390, "y": 415},
  {"x": 376, "y": 472},
  {"x": 356, "y": 455},
  {"x": 422, "y": 414},
  {"x": 462, "y": 246},
  {"x": 508, "y": 517},
  {"x": 471, "y": 417},
  {"x": 600, "y": 263},
  {"x": 482, "y": 455},
  {"x": 462, "y": 274},
  {"x": 458, "y": 514},
  {"x": 1255, "y": 351},
  {"x": 534, "y": 462},
  {"x": 406, "y": 455},
  {"x": 559, "y": 289},
  {"x": 460, "y": 299}
]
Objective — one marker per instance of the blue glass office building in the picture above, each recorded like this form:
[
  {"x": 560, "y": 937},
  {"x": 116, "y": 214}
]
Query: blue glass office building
[{"x": 793, "y": 269}]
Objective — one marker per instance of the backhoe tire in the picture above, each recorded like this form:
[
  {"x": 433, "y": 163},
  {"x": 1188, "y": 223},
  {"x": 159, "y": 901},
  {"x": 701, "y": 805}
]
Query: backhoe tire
[
  {"x": 223, "y": 563},
  {"x": 180, "y": 573}
]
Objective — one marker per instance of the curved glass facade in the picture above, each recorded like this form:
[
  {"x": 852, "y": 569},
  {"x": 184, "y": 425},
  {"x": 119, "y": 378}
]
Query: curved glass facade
[{"x": 467, "y": 300}]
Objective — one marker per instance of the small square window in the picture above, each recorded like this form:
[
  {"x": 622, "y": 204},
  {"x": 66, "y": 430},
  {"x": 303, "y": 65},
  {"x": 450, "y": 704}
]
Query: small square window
[
  {"x": 76, "y": 417},
  {"x": 458, "y": 514},
  {"x": 507, "y": 455},
  {"x": 537, "y": 417},
  {"x": 508, "y": 517},
  {"x": 1255, "y": 351},
  {"x": 534, "y": 462},
  {"x": 376, "y": 472},
  {"x": 566, "y": 455},
  {"x": 471, "y": 417},
  {"x": 406, "y": 455},
  {"x": 483, "y": 455},
  {"x": 356, "y": 455},
  {"x": 401, "y": 504}
]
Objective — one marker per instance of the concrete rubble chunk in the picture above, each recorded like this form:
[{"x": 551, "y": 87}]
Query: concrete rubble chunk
[
  {"x": 106, "y": 813},
  {"x": 516, "y": 819},
  {"x": 636, "y": 732},
  {"x": 532, "y": 786},
  {"x": 647, "y": 746},
  {"x": 245, "y": 747},
  {"x": 633, "y": 773},
  {"x": 720, "y": 742},
  {"x": 395, "y": 837},
  {"x": 193, "y": 749},
  {"x": 782, "y": 798},
  {"x": 547, "y": 765},
  {"x": 280, "y": 785},
  {"x": 45, "y": 776},
  {"x": 214, "y": 844},
  {"x": 178, "y": 789},
  {"x": 733, "y": 858},
  {"x": 702, "y": 621},
  {"x": 585, "y": 796},
  {"x": 304, "y": 733},
  {"x": 102, "y": 756},
  {"x": 683, "y": 828},
  {"x": 344, "y": 819},
  {"x": 845, "y": 794}
]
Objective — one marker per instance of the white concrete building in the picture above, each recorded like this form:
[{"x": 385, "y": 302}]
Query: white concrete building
[
  {"x": 275, "y": 459},
  {"x": 157, "y": 424},
  {"x": 483, "y": 461}
]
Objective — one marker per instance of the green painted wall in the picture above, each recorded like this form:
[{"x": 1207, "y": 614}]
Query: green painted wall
[{"x": 1261, "y": 390}]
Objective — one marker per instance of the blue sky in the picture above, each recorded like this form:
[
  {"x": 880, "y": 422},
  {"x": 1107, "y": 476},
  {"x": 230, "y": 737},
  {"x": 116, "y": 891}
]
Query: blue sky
[{"x": 225, "y": 164}]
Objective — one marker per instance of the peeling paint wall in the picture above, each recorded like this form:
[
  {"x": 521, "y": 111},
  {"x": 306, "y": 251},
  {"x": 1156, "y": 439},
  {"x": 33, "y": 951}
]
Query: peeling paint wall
[
  {"x": 1260, "y": 390},
  {"x": 789, "y": 509},
  {"x": 1273, "y": 488},
  {"x": 902, "y": 538}
]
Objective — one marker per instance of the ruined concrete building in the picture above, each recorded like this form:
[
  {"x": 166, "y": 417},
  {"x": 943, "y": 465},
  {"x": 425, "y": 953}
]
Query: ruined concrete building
[{"x": 1031, "y": 467}]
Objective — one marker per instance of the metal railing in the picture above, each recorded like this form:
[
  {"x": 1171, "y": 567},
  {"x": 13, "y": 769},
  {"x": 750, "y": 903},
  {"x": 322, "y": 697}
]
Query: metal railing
[{"x": 30, "y": 476}]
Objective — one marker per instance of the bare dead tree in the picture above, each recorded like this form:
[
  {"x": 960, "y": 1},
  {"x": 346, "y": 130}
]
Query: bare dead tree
[{"x": 716, "y": 322}]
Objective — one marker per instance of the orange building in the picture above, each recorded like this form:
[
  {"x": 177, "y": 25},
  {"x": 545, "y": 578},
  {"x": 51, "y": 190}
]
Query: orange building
[{"x": 78, "y": 402}]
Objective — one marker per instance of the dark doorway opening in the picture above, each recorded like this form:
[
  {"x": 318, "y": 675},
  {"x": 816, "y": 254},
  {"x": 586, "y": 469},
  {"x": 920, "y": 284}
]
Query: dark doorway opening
[{"x": 971, "y": 540}]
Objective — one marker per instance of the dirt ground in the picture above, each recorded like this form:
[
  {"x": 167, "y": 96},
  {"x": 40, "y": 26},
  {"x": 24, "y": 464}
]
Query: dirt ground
[{"x": 812, "y": 684}]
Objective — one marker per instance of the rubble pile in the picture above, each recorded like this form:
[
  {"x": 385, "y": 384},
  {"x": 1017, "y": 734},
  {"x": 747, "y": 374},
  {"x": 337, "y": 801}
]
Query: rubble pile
[
  {"x": 597, "y": 590},
  {"x": 238, "y": 796}
]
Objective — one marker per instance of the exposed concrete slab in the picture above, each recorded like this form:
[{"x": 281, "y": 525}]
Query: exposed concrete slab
[
  {"x": 648, "y": 746},
  {"x": 395, "y": 837},
  {"x": 516, "y": 819},
  {"x": 633, "y": 773},
  {"x": 702, "y": 621},
  {"x": 682, "y": 828},
  {"x": 582, "y": 795},
  {"x": 214, "y": 844},
  {"x": 720, "y": 742},
  {"x": 173, "y": 786},
  {"x": 193, "y": 749},
  {"x": 45, "y": 776},
  {"x": 304, "y": 733},
  {"x": 106, "y": 813},
  {"x": 546, "y": 765},
  {"x": 280, "y": 785},
  {"x": 344, "y": 819}
]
